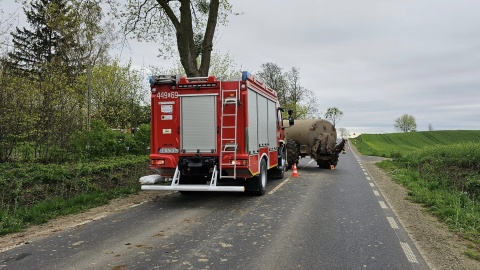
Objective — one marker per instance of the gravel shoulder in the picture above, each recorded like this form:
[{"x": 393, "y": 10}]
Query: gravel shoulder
[{"x": 441, "y": 248}]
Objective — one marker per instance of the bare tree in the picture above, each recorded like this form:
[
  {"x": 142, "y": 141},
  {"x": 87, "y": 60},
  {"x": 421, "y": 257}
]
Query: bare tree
[
  {"x": 430, "y": 127},
  {"x": 7, "y": 22},
  {"x": 291, "y": 94},
  {"x": 274, "y": 77},
  {"x": 344, "y": 133}
]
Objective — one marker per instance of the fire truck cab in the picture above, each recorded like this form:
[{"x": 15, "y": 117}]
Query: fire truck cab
[{"x": 214, "y": 135}]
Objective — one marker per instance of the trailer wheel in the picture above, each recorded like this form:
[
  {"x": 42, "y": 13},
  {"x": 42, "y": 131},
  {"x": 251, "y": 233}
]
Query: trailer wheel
[{"x": 293, "y": 153}]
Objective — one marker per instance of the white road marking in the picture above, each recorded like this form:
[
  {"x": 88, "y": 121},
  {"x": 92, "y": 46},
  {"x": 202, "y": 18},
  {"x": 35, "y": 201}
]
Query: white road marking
[
  {"x": 365, "y": 173},
  {"x": 392, "y": 222},
  {"x": 406, "y": 248},
  {"x": 279, "y": 186},
  {"x": 408, "y": 252},
  {"x": 383, "y": 205}
]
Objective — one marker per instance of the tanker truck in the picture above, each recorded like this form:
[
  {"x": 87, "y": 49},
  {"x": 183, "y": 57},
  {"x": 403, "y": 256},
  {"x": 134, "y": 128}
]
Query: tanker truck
[{"x": 316, "y": 138}]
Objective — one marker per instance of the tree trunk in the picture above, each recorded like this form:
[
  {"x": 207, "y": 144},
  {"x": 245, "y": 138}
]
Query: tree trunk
[
  {"x": 207, "y": 45},
  {"x": 185, "y": 39},
  {"x": 185, "y": 42}
]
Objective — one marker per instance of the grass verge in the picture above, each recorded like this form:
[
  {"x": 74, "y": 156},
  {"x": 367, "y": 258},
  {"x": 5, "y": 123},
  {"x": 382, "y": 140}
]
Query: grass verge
[
  {"x": 34, "y": 194},
  {"x": 443, "y": 177}
]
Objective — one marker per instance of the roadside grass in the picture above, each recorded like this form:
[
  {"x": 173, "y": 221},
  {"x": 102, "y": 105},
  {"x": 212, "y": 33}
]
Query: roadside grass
[
  {"x": 34, "y": 194},
  {"x": 442, "y": 175}
]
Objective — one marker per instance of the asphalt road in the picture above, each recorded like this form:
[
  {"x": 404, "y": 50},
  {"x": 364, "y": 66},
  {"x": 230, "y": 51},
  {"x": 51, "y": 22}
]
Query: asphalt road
[{"x": 324, "y": 219}]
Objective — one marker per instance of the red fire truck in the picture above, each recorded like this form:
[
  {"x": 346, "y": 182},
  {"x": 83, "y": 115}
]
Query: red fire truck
[{"x": 214, "y": 135}]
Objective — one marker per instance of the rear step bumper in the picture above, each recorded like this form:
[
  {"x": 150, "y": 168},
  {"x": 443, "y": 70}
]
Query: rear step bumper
[
  {"x": 195, "y": 188},
  {"x": 147, "y": 182}
]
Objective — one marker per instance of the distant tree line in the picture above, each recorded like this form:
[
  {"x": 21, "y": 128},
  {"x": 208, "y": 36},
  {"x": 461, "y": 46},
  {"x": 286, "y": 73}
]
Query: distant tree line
[{"x": 56, "y": 79}]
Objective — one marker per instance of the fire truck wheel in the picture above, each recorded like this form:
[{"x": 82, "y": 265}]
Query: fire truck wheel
[
  {"x": 261, "y": 179},
  {"x": 257, "y": 184}
]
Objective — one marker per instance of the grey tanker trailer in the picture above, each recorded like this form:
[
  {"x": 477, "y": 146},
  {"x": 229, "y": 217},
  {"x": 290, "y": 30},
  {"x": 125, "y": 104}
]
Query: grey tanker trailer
[{"x": 316, "y": 138}]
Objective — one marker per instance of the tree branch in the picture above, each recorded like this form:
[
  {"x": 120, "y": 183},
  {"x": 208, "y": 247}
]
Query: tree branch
[{"x": 169, "y": 12}]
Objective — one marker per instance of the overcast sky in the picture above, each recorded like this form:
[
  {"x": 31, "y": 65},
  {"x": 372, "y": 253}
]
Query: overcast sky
[{"x": 374, "y": 60}]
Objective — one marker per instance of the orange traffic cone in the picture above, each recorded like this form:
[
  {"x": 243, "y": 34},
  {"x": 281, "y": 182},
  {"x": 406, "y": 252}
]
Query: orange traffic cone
[{"x": 294, "y": 173}]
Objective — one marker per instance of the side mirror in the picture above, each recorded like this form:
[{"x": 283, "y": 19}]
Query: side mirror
[{"x": 291, "y": 121}]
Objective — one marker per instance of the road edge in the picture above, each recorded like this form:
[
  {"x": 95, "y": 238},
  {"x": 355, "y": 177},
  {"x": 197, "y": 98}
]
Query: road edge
[{"x": 440, "y": 247}]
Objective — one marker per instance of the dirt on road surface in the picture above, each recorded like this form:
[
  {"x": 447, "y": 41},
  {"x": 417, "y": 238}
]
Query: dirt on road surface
[{"x": 441, "y": 248}]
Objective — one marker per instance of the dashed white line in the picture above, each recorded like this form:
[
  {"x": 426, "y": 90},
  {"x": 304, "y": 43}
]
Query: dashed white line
[
  {"x": 406, "y": 248},
  {"x": 408, "y": 251},
  {"x": 383, "y": 205},
  {"x": 392, "y": 222}
]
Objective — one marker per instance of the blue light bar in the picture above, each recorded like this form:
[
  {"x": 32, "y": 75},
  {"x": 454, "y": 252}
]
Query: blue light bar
[
  {"x": 150, "y": 79},
  {"x": 245, "y": 75}
]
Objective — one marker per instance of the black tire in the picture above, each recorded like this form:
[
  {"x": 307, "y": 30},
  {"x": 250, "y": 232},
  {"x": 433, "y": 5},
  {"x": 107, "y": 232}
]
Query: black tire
[
  {"x": 324, "y": 165},
  {"x": 293, "y": 153},
  {"x": 260, "y": 181}
]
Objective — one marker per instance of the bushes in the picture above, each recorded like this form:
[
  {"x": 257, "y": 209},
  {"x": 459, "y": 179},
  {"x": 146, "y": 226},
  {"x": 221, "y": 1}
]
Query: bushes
[
  {"x": 34, "y": 193},
  {"x": 98, "y": 142},
  {"x": 103, "y": 142}
]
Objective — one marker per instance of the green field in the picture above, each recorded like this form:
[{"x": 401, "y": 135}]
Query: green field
[
  {"x": 442, "y": 171},
  {"x": 390, "y": 145}
]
